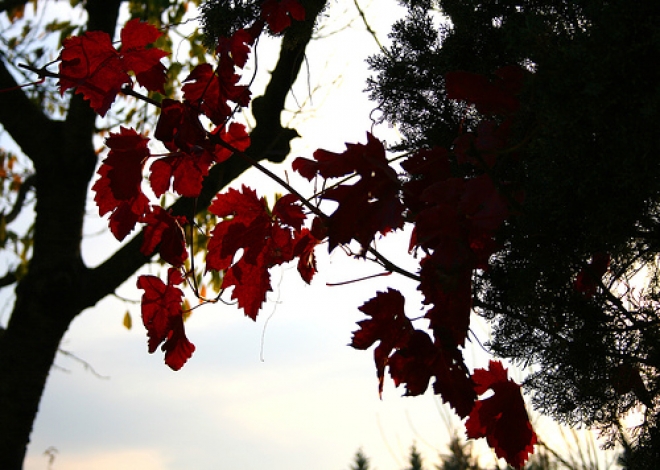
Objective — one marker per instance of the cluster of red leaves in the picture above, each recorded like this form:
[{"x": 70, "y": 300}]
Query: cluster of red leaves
[
  {"x": 455, "y": 215},
  {"x": 501, "y": 418},
  {"x": 371, "y": 205},
  {"x": 97, "y": 70},
  {"x": 92, "y": 65},
  {"x": 162, "y": 316},
  {"x": 264, "y": 238}
]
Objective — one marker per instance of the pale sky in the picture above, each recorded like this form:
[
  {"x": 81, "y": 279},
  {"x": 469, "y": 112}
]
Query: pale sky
[{"x": 282, "y": 393}]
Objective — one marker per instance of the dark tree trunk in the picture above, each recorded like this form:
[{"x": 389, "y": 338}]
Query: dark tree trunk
[{"x": 58, "y": 285}]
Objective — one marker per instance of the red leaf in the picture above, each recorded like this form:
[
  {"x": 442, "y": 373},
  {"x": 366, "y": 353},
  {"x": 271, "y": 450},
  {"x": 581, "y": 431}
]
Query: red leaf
[
  {"x": 236, "y": 48},
  {"x": 421, "y": 359},
  {"x": 413, "y": 364},
  {"x": 488, "y": 98},
  {"x": 178, "y": 126},
  {"x": 266, "y": 239},
  {"x": 210, "y": 91},
  {"x": 162, "y": 317},
  {"x": 484, "y": 207},
  {"x": 289, "y": 211},
  {"x": 388, "y": 324},
  {"x": 178, "y": 349},
  {"x": 165, "y": 232},
  {"x": 304, "y": 251},
  {"x": 425, "y": 167},
  {"x": 369, "y": 206},
  {"x": 118, "y": 190},
  {"x": 92, "y": 65},
  {"x": 501, "y": 418},
  {"x": 144, "y": 61},
  {"x": 247, "y": 228},
  {"x": 416, "y": 359},
  {"x": 192, "y": 154},
  {"x": 357, "y": 158},
  {"x": 128, "y": 153},
  {"x": 453, "y": 382},
  {"x": 278, "y": 14},
  {"x": 186, "y": 171},
  {"x": 481, "y": 148},
  {"x": 460, "y": 221},
  {"x": 235, "y": 136},
  {"x": 450, "y": 294},
  {"x": 251, "y": 283}
]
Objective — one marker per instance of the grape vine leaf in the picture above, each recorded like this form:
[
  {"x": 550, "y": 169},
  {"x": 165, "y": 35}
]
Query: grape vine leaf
[
  {"x": 501, "y": 418},
  {"x": 210, "y": 91},
  {"x": 165, "y": 231},
  {"x": 498, "y": 97},
  {"x": 178, "y": 126},
  {"x": 266, "y": 238},
  {"x": 162, "y": 316},
  {"x": 236, "y": 49},
  {"x": 450, "y": 295},
  {"x": 92, "y": 65},
  {"x": 233, "y": 137},
  {"x": 304, "y": 251},
  {"x": 278, "y": 14},
  {"x": 420, "y": 359},
  {"x": 413, "y": 363},
  {"x": 118, "y": 189},
  {"x": 369, "y": 206},
  {"x": 388, "y": 324},
  {"x": 193, "y": 150}
]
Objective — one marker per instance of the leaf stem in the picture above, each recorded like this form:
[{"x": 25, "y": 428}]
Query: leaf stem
[
  {"x": 303, "y": 200},
  {"x": 390, "y": 266}
]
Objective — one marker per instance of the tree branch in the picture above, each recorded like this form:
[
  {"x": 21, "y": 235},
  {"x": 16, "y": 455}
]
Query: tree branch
[
  {"x": 8, "y": 279},
  {"x": 269, "y": 141},
  {"x": 27, "y": 184},
  {"x": 20, "y": 117},
  {"x": 267, "y": 108}
]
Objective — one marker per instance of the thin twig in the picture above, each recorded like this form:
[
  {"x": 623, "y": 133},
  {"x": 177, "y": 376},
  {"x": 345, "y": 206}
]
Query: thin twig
[
  {"x": 86, "y": 365},
  {"x": 28, "y": 183},
  {"x": 370, "y": 30}
]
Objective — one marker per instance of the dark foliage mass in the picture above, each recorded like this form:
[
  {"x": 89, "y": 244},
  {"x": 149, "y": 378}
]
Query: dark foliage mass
[
  {"x": 222, "y": 18},
  {"x": 574, "y": 290}
]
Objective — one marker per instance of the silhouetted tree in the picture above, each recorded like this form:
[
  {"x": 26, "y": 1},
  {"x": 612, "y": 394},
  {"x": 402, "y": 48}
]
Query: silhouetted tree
[
  {"x": 360, "y": 461},
  {"x": 415, "y": 459},
  {"x": 459, "y": 457}
]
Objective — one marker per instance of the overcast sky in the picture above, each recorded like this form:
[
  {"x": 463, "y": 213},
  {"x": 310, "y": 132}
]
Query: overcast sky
[{"x": 282, "y": 393}]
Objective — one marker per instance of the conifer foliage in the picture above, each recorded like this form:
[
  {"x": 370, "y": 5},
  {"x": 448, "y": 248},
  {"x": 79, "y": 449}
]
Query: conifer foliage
[{"x": 572, "y": 287}]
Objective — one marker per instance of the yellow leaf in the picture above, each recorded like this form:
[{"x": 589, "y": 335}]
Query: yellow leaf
[
  {"x": 128, "y": 321},
  {"x": 16, "y": 13},
  {"x": 186, "y": 311}
]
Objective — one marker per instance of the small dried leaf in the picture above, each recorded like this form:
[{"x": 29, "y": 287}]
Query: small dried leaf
[{"x": 128, "y": 321}]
